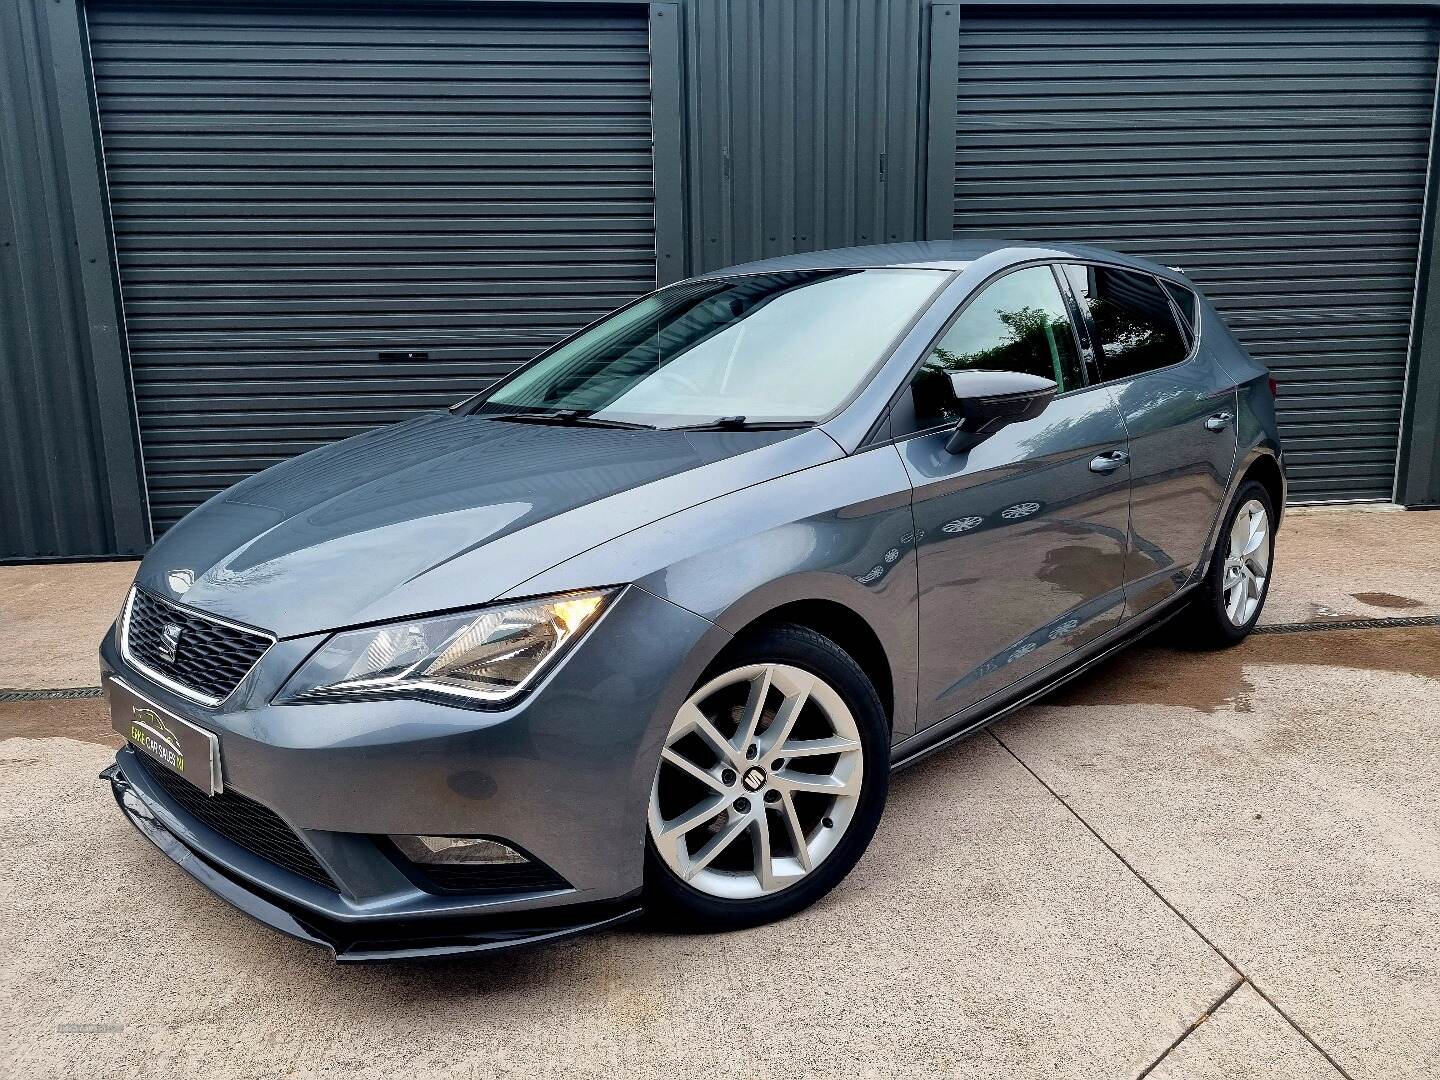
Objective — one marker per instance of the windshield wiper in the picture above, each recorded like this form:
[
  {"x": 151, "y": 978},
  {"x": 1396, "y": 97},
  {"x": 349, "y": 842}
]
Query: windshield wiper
[
  {"x": 740, "y": 423},
  {"x": 565, "y": 418}
]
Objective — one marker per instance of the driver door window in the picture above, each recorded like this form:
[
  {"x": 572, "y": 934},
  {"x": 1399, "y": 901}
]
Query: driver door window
[{"x": 1018, "y": 323}]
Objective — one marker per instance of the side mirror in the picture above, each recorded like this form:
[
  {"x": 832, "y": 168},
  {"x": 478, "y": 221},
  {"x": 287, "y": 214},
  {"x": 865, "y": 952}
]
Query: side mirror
[{"x": 988, "y": 400}]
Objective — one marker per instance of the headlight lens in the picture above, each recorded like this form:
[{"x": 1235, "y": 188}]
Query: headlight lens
[{"x": 476, "y": 658}]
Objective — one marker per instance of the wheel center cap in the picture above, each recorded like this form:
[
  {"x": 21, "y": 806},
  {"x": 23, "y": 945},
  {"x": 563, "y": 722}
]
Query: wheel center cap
[{"x": 754, "y": 778}]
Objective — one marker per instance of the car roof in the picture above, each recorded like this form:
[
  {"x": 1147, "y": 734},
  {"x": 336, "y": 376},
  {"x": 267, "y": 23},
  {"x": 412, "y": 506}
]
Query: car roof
[{"x": 948, "y": 255}]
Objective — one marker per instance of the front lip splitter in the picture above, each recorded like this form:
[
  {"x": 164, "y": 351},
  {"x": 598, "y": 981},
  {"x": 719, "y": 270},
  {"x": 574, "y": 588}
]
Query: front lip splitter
[{"x": 353, "y": 942}]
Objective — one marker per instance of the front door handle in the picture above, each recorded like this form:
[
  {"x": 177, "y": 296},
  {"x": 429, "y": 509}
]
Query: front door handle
[
  {"x": 1219, "y": 422},
  {"x": 1109, "y": 462}
]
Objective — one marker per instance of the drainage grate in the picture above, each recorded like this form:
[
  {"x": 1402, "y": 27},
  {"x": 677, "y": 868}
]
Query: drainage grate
[
  {"x": 52, "y": 695},
  {"x": 1351, "y": 624}
]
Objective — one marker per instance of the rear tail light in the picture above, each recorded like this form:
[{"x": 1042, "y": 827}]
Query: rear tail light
[{"x": 1274, "y": 387}]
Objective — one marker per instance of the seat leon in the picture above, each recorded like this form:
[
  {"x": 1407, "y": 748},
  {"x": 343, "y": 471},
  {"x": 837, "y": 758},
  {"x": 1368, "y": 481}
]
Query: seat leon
[{"x": 648, "y": 623}]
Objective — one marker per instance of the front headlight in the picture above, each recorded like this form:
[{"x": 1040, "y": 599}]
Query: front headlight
[{"x": 475, "y": 659}]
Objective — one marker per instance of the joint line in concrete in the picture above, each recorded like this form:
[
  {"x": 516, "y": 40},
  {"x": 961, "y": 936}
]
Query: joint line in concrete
[{"x": 1177, "y": 912}]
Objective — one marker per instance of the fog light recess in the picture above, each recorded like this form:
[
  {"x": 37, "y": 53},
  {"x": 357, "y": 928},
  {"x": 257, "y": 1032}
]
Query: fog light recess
[{"x": 470, "y": 864}]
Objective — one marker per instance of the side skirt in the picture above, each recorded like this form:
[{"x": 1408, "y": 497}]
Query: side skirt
[{"x": 984, "y": 713}]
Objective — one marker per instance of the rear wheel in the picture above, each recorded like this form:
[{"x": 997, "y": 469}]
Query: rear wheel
[
  {"x": 770, "y": 783},
  {"x": 1228, "y": 604}
]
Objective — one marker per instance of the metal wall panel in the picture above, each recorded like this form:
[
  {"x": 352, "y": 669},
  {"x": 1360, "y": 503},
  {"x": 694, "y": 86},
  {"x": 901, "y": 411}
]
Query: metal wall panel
[
  {"x": 330, "y": 217},
  {"x": 1279, "y": 158},
  {"x": 61, "y": 493},
  {"x": 805, "y": 126}
]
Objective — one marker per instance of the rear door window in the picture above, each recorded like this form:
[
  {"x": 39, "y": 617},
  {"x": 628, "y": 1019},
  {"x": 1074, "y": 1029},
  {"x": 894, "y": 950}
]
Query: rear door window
[{"x": 1132, "y": 322}]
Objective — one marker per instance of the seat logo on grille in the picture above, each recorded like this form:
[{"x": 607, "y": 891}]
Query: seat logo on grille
[{"x": 169, "y": 641}]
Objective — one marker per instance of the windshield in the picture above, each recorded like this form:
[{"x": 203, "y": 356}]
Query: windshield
[{"x": 782, "y": 348}]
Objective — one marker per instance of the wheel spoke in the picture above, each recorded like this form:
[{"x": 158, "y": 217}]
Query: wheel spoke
[
  {"x": 1239, "y": 536},
  {"x": 795, "y": 831},
  {"x": 760, "y": 842},
  {"x": 754, "y": 708},
  {"x": 692, "y": 719},
  {"x": 789, "y": 780},
  {"x": 1233, "y": 602},
  {"x": 715, "y": 845},
  {"x": 836, "y": 744},
  {"x": 674, "y": 758},
  {"x": 1258, "y": 534},
  {"x": 785, "y": 717},
  {"x": 697, "y": 815}
]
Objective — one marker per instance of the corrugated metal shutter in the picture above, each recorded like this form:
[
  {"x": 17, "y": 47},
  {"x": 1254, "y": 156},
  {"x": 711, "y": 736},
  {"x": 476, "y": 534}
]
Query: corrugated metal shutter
[
  {"x": 1279, "y": 159},
  {"x": 299, "y": 191}
]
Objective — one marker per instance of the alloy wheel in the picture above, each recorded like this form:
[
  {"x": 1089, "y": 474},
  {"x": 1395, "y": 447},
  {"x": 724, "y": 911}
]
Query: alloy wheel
[
  {"x": 758, "y": 781},
  {"x": 1247, "y": 566}
]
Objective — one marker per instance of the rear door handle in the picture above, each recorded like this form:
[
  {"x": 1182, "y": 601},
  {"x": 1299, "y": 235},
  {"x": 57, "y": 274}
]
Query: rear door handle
[
  {"x": 1109, "y": 462},
  {"x": 1219, "y": 422}
]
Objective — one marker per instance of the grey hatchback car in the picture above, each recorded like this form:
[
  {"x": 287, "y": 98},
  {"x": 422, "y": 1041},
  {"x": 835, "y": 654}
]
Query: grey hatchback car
[{"x": 650, "y": 622}]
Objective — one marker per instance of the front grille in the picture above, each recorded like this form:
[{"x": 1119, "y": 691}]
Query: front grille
[
  {"x": 210, "y": 657},
  {"x": 242, "y": 821}
]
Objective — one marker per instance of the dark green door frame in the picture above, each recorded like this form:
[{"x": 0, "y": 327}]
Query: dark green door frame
[
  {"x": 1417, "y": 469},
  {"x": 113, "y": 394}
]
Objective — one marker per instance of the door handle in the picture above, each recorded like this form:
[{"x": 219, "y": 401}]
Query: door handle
[
  {"x": 1109, "y": 462},
  {"x": 1219, "y": 422}
]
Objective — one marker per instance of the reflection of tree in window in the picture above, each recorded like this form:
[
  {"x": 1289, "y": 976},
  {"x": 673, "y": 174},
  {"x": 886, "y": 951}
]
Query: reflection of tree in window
[
  {"x": 1032, "y": 346},
  {"x": 1019, "y": 323},
  {"x": 1133, "y": 321}
]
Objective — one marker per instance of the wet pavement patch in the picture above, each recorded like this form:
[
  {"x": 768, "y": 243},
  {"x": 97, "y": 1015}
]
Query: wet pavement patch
[
  {"x": 1386, "y": 600},
  {"x": 1164, "y": 675}
]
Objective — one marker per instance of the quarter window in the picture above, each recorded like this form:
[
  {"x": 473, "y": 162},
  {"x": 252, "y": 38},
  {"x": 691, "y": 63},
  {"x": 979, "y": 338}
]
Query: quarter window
[
  {"x": 1185, "y": 301},
  {"x": 1132, "y": 319},
  {"x": 1018, "y": 323}
]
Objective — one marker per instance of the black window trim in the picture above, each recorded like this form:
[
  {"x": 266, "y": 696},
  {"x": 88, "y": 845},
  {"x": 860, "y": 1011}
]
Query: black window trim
[
  {"x": 1192, "y": 339},
  {"x": 1190, "y": 328}
]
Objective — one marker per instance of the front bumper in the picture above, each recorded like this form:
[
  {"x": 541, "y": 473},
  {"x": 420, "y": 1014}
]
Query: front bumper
[
  {"x": 563, "y": 776},
  {"x": 350, "y": 940}
]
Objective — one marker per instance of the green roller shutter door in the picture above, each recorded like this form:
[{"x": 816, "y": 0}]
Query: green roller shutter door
[
  {"x": 1278, "y": 159},
  {"x": 330, "y": 217}
]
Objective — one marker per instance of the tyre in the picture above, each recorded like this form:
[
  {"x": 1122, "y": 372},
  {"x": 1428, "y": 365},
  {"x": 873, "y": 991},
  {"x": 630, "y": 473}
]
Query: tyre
[
  {"x": 1229, "y": 602},
  {"x": 770, "y": 783}
]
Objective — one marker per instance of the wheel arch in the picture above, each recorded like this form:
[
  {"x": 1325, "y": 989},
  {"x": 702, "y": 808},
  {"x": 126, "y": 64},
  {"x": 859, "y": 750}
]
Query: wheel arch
[
  {"x": 844, "y": 626},
  {"x": 1265, "y": 470},
  {"x": 873, "y": 623},
  {"x": 1262, "y": 463}
]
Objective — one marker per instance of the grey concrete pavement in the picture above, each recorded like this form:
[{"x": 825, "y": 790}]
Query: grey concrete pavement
[
  {"x": 1337, "y": 563},
  {"x": 52, "y": 617},
  {"x": 1296, "y": 824},
  {"x": 1244, "y": 1039}
]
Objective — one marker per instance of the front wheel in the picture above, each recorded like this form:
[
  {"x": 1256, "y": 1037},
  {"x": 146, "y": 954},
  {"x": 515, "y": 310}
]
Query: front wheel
[
  {"x": 770, "y": 783},
  {"x": 1228, "y": 604}
]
